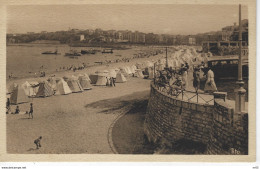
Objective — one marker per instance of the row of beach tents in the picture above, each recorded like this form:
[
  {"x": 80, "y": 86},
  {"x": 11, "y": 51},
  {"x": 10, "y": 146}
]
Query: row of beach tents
[
  {"x": 21, "y": 93},
  {"x": 78, "y": 83}
]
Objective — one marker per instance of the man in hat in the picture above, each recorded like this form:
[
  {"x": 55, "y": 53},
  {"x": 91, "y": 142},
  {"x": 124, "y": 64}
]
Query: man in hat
[{"x": 210, "y": 85}]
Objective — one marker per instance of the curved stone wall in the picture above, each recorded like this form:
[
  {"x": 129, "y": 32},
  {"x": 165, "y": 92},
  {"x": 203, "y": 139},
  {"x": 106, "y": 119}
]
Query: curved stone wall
[{"x": 216, "y": 126}]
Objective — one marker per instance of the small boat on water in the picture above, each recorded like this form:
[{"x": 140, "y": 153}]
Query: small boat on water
[
  {"x": 107, "y": 51},
  {"x": 51, "y": 53},
  {"x": 72, "y": 53},
  {"x": 91, "y": 51}
]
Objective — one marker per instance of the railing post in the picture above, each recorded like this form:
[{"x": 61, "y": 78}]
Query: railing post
[{"x": 197, "y": 96}]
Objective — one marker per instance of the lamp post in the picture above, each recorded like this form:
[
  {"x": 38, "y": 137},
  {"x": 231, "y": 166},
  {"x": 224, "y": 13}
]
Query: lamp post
[
  {"x": 240, "y": 92},
  {"x": 166, "y": 59}
]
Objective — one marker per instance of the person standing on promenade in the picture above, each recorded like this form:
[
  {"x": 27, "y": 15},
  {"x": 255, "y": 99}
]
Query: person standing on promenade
[
  {"x": 31, "y": 111},
  {"x": 196, "y": 79},
  {"x": 210, "y": 85},
  {"x": 184, "y": 78}
]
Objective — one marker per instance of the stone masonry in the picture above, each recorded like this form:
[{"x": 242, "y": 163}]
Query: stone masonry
[{"x": 215, "y": 125}]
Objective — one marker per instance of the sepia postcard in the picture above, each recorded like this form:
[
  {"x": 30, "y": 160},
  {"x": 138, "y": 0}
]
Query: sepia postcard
[{"x": 154, "y": 81}]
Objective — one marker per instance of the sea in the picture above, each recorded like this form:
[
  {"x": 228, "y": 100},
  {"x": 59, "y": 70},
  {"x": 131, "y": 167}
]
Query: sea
[{"x": 24, "y": 60}]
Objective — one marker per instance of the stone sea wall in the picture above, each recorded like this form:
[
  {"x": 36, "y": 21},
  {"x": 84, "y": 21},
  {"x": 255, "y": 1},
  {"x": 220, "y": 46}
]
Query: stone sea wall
[{"x": 171, "y": 119}]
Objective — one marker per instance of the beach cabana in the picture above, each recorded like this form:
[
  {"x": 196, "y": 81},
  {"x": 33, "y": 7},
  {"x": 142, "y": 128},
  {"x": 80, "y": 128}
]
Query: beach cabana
[
  {"x": 85, "y": 83},
  {"x": 62, "y": 88},
  {"x": 74, "y": 85},
  {"x": 18, "y": 95},
  {"x": 112, "y": 73},
  {"x": 139, "y": 73},
  {"x": 45, "y": 90},
  {"x": 29, "y": 90},
  {"x": 120, "y": 78},
  {"x": 101, "y": 81}
]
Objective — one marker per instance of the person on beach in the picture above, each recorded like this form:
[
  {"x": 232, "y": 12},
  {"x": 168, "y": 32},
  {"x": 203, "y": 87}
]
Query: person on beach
[
  {"x": 111, "y": 82},
  {"x": 37, "y": 142},
  {"x": 114, "y": 81},
  {"x": 210, "y": 85},
  {"x": 31, "y": 111},
  {"x": 17, "y": 110},
  {"x": 7, "y": 106},
  {"x": 196, "y": 79}
]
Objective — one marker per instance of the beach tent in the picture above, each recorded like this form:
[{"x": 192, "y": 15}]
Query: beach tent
[
  {"x": 74, "y": 85},
  {"x": 85, "y": 83},
  {"x": 128, "y": 70},
  {"x": 85, "y": 75},
  {"x": 44, "y": 90},
  {"x": 112, "y": 73},
  {"x": 66, "y": 78},
  {"x": 29, "y": 90},
  {"x": 101, "y": 81},
  {"x": 102, "y": 72},
  {"x": 139, "y": 73},
  {"x": 133, "y": 68},
  {"x": 62, "y": 88},
  {"x": 52, "y": 82},
  {"x": 93, "y": 78},
  {"x": 18, "y": 95},
  {"x": 123, "y": 71},
  {"x": 148, "y": 64},
  {"x": 120, "y": 78},
  {"x": 117, "y": 70},
  {"x": 12, "y": 87}
]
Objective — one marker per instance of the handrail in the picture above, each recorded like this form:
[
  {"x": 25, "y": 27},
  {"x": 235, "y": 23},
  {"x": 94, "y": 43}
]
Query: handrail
[{"x": 183, "y": 93}]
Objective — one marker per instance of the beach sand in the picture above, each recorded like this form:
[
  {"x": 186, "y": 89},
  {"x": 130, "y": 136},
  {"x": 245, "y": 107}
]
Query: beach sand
[{"x": 75, "y": 123}]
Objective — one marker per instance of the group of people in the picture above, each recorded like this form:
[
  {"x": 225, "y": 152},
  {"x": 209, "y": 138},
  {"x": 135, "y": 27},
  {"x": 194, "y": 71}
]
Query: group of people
[
  {"x": 17, "y": 109},
  {"x": 111, "y": 82},
  {"x": 178, "y": 78}
]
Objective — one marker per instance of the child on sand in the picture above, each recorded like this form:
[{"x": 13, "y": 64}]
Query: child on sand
[{"x": 37, "y": 142}]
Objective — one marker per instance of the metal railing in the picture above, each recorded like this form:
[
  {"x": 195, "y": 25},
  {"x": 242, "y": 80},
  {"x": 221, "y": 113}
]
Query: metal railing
[{"x": 183, "y": 94}]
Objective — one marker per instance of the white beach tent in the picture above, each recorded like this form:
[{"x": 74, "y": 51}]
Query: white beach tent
[
  {"x": 101, "y": 80},
  {"x": 62, "y": 88},
  {"x": 112, "y": 73},
  {"x": 128, "y": 70},
  {"x": 85, "y": 82},
  {"x": 133, "y": 68},
  {"x": 45, "y": 90},
  {"x": 139, "y": 73},
  {"x": 124, "y": 71},
  {"x": 74, "y": 85},
  {"x": 85, "y": 75},
  {"x": 18, "y": 95},
  {"x": 28, "y": 89},
  {"x": 120, "y": 78},
  {"x": 12, "y": 87},
  {"x": 52, "y": 82}
]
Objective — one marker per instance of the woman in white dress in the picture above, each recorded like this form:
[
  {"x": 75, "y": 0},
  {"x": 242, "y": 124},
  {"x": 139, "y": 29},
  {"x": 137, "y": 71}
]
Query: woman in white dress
[{"x": 210, "y": 85}]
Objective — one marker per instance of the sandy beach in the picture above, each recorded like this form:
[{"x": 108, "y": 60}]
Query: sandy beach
[{"x": 75, "y": 123}]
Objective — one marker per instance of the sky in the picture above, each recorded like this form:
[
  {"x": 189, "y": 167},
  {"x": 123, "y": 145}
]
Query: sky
[{"x": 161, "y": 19}]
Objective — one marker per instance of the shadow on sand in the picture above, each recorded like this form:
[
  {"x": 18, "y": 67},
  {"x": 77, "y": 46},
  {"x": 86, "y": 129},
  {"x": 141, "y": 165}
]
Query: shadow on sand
[{"x": 112, "y": 105}]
